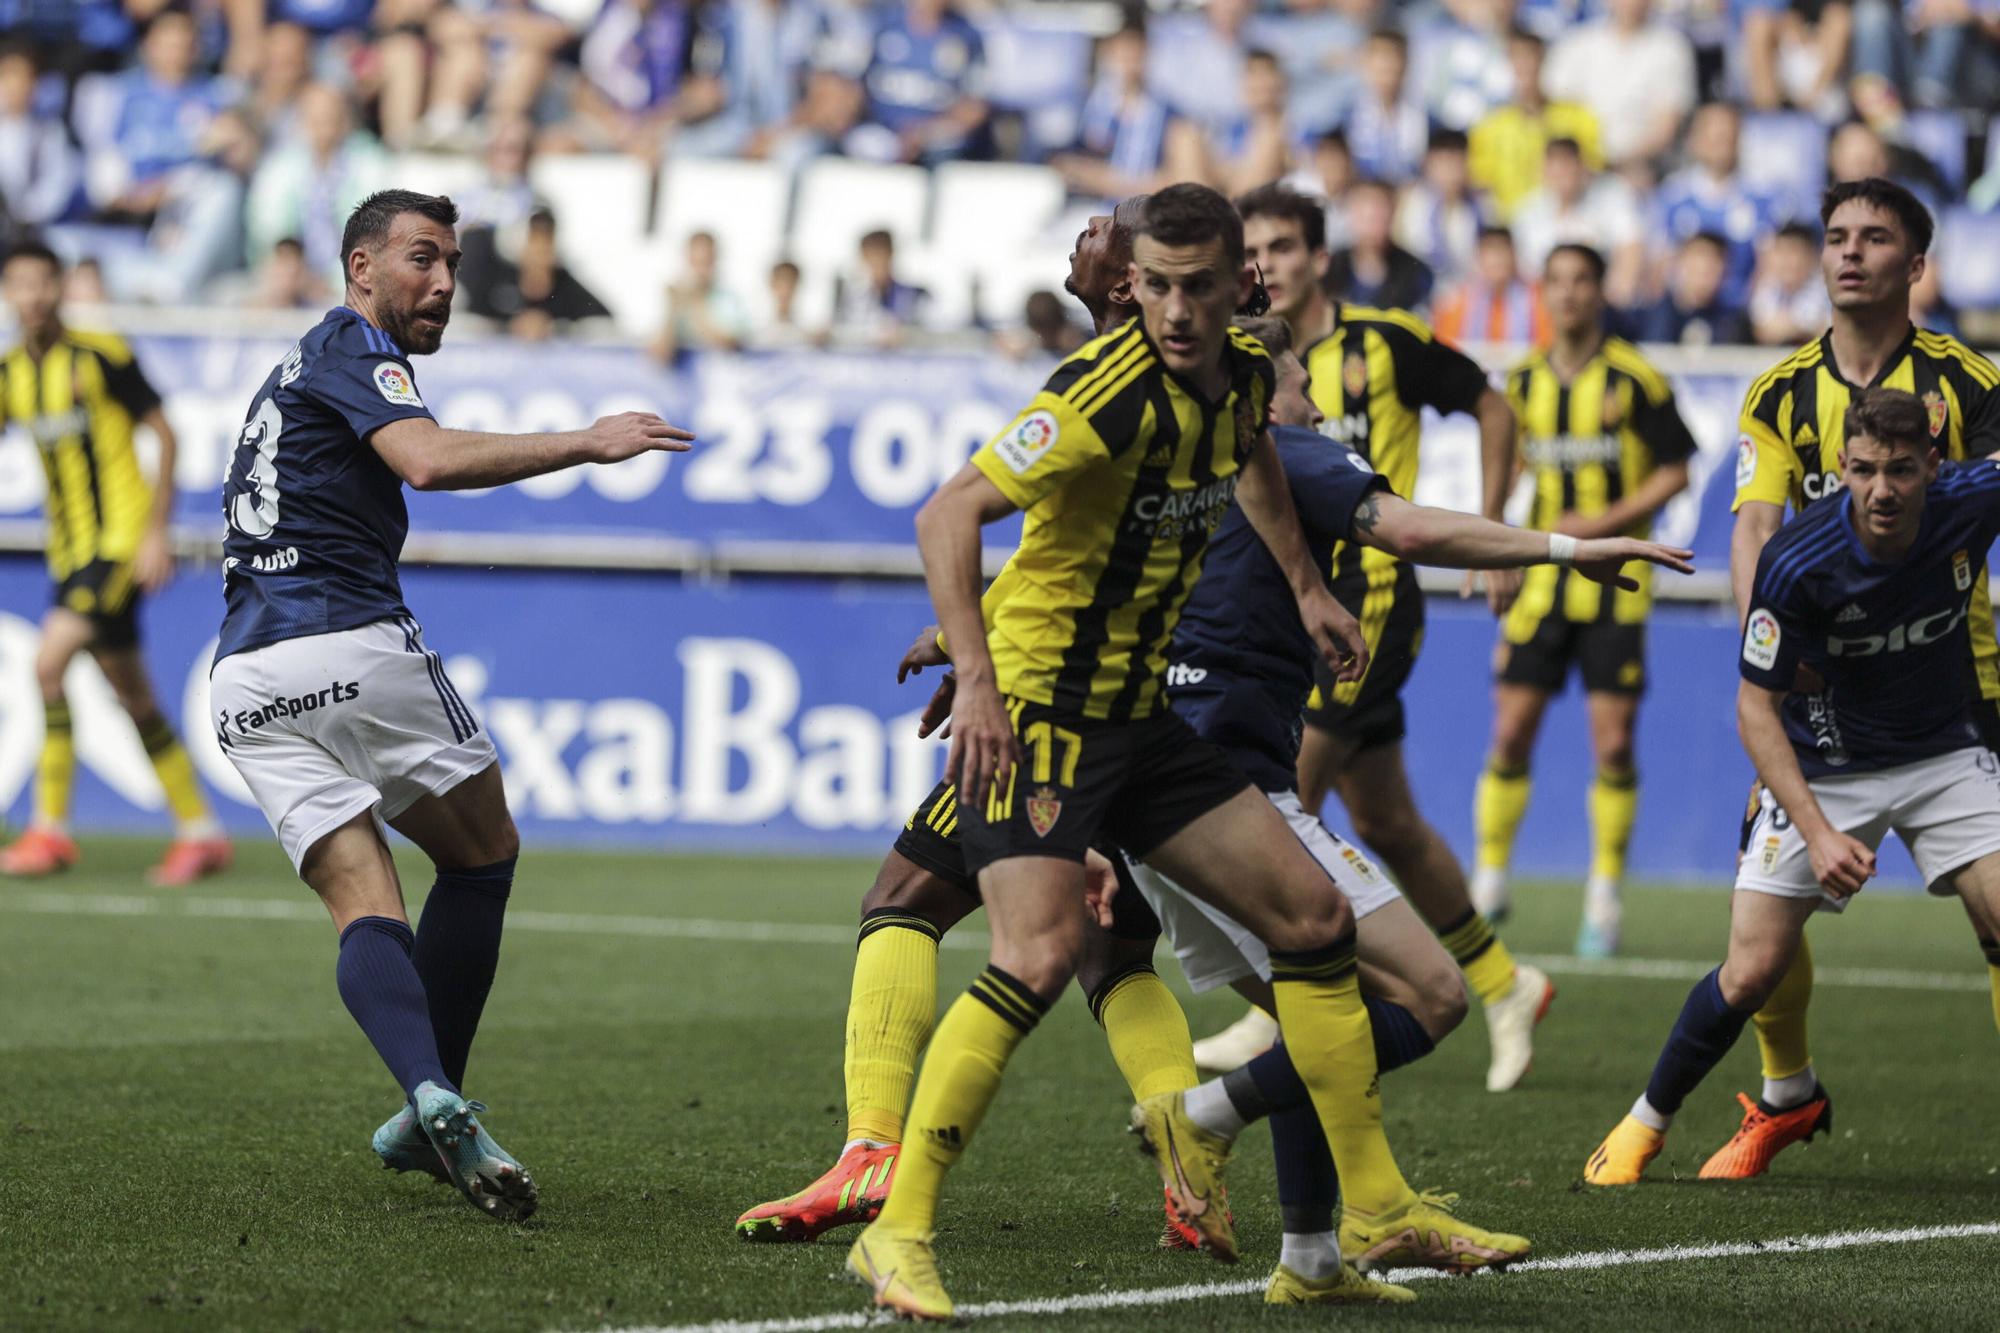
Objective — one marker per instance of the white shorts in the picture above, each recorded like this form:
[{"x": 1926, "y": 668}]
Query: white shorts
[
  {"x": 325, "y": 727},
  {"x": 1945, "y": 809},
  {"x": 1213, "y": 949}
]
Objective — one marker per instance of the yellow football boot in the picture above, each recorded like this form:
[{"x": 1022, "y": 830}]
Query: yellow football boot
[
  {"x": 1623, "y": 1156},
  {"x": 1191, "y": 1161},
  {"x": 1346, "y": 1287},
  {"x": 901, "y": 1269},
  {"x": 1425, "y": 1233}
]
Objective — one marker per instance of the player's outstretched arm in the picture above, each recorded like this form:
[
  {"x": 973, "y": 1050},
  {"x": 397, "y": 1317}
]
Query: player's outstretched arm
[
  {"x": 1427, "y": 536},
  {"x": 430, "y": 458},
  {"x": 1266, "y": 500},
  {"x": 1756, "y": 521},
  {"x": 1840, "y": 863},
  {"x": 982, "y": 743},
  {"x": 1499, "y": 461}
]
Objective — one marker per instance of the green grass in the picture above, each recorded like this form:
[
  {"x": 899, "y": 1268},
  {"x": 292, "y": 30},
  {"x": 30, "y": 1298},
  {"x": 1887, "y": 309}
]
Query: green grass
[{"x": 185, "y": 1109}]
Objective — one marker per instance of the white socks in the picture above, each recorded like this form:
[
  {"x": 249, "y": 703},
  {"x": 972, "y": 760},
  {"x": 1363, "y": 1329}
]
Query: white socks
[
  {"x": 1489, "y": 890},
  {"x": 1208, "y": 1105},
  {"x": 1781, "y": 1094},
  {"x": 852, "y": 1144},
  {"x": 1314, "y": 1256},
  {"x": 1601, "y": 907},
  {"x": 1643, "y": 1112}
]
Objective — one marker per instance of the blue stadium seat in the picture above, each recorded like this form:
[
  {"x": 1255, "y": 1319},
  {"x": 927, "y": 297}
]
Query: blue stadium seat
[
  {"x": 1785, "y": 151},
  {"x": 1968, "y": 257},
  {"x": 1940, "y": 136}
]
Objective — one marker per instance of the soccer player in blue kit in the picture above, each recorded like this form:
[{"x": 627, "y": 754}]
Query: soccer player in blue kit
[
  {"x": 1870, "y": 591},
  {"x": 327, "y": 700}
]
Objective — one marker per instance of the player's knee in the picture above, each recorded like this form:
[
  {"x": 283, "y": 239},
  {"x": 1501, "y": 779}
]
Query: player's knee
[
  {"x": 1104, "y": 955},
  {"x": 1750, "y": 975},
  {"x": 1513, "y": 746},
  {"x": 1444, "y": 1003},
  {"x": 904, "y": 886},
  {"x": 1045, "y": 959},
  {"x": 502, "y": 842},
  {"x": 1614, "y": 758},
  {"x": 49, "y": 677},
  {"x": 1321, "y": 920}
]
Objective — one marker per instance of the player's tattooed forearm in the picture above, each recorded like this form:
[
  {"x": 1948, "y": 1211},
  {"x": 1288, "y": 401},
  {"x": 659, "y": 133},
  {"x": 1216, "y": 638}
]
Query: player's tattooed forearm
[{"x": 1367, "y": 515}]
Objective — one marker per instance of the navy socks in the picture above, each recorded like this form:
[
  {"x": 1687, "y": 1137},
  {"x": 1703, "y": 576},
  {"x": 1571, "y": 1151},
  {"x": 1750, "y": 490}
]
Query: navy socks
[
  {"x": 457, "y": 952},
  {"x": 1702, "y": 1035},
  {"x": 381, "y": 989}
]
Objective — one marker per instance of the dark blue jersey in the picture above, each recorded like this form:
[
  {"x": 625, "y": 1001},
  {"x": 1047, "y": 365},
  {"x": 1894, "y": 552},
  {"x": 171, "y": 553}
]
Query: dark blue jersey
[
  {"x": 1889, "y": 640},
  {"x": 1241, "y": 665},
  {"x": 316, "y": 518}
]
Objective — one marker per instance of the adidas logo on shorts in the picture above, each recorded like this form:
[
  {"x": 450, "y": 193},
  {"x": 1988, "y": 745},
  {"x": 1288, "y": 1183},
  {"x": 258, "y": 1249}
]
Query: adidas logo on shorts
[{"x": 1849, "y": 614}]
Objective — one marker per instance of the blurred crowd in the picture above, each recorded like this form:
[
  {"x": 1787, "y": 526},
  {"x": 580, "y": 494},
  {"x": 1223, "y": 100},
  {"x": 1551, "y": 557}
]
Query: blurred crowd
[{"x": 206, "y": 151}]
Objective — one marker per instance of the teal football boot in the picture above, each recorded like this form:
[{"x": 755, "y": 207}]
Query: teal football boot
[
  {"x": 403, "y": 1147},
  {"x": 484, "y": 1172}
]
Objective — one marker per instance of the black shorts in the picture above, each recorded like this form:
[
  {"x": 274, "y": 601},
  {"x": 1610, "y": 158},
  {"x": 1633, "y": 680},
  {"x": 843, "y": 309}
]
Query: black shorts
[
  {"x": 1369, "y": 713},
  {"x": 1082, "y": 781},
  {"x": 930, "y": 840},
  {"x": 104, "y": 593},
  {"x": 1609, "y": 656}
]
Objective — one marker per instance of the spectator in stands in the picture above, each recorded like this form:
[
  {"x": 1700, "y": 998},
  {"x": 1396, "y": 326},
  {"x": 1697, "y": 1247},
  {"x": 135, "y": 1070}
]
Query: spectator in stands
[
  {"x": 40, "y": 172},
  {"x": 1196, "y": 61},
  {"x": 702, "y": 314},
  {"x": 1857, "y": 151},
  {"x": 196, "y": 234},
  {"x": 1708, "y": 195},
  {"x": 873, "y": 303},
  {"x": 1371, "y": 269},
  {"x": 1597, "y": 211},
  {"x": 72, "y": 36},
  {"x": 1794, "y": 51},
  {"x": 84, "y": 283},
  {"x": 446, "y": 60},
  {"x": 1329, "y": 175},
  {"x": 1635, "y": 74},
  {"x": 1461, "y": 61},
  {"x": 1929, "y": 309},
  {"x": 1319, "y": 42},
  {"x": 1506, "y": 147},
  {"x": 1123, "y": 133},
  {"x": 1046, "y": 330},
  {"x": 1385, "y": 130},
  {"x": 535, "y": 295},
  {"x": 829, "y": 110},
  {"x": 1254, "y": 149},
  {"x": 307, "y": 188},
  {"x": 926, "y": 85},
  {"x": 285, "y": 281},
  {"x": 759, "y": 51},
  {"x": 782, "y": 328},
  {"x": 1696, "y": 311},
  {"x": 634, "y": 63},
  {"x": 283, "y": 68},
  {"x": 1788, "y": 302},
  {"x": 1934, "y": 53},
  {"x": 503, "y": 197},
  {"x": 1495, "y": 304},
  {"x": 163, "y": 108},
  {"x": 1438, "y": 220}
]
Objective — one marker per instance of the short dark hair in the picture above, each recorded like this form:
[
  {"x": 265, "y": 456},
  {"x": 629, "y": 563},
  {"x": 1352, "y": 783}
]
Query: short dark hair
[
  {"x": 369, "y": 223},
  {"x": 1258, "y": 53},
  {"x": 1375, "y": 183},
  {"x": 1126, "y": 215},
  {"x": 1446, "y": 139},
  {"x": 1495, "y": 231},
  {"x": 1393, "y": 36},
  {"x": 1563, "y": 144},
  {"x": 1592, "y": 257},
  {"x": 1799, "y": 231},
  {"x": 1274, "y": 333},
  {"x": 1528, "y": 36},
  {"x": 879, "y": 239},
  {"x": 15, "y": 48},
  {"x": 1287, "y": 205},
  {"x": 31, "y": 248},
  {"x": 288, "y": 245},
  {"x": 1189, "y": 214},
  {"x": 784, "y": 266},
  {"x": 1890, "y": 416},
  {"x": 1890, "y": 198},
  {"x": 1713, "y": 239}
]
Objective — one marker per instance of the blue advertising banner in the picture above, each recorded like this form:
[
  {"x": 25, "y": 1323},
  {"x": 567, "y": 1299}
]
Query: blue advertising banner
[
  {"x": 811, "y": 447},
  {"x": 763, "y": 715}
]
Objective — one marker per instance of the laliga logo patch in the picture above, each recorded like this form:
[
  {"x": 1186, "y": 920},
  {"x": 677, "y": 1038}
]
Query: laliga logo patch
[
  {"x": 1760, "y": 639},
  {"x": 1022, "y": 447},
  {"x": 394, "y": 382},
  {"x": 1043, "y": 811},
  {"x": 1746, "y": 460},
  {"x": 1961, "y": 570}
]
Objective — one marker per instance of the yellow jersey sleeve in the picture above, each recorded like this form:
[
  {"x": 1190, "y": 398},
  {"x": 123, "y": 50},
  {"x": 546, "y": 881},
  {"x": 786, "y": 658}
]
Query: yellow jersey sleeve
[
  {"x": 1049, "y": 443},
  {"x": 1767, "y": 468}
]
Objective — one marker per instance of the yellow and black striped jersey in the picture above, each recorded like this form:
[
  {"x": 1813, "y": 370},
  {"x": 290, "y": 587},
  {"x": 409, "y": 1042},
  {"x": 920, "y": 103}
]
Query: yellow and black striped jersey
[
  {"x": 1587, "y": 441},
  {"x": 1790, "y": 436},
  {"x": 1124, "y": 471},
  {"x": 78, "y": 404},
  {"x": 1372, "y": 377}
]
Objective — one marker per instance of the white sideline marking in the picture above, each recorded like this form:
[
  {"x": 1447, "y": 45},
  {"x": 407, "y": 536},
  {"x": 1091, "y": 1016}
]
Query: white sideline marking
[
  {"x": 779, "y": 932},
  {"x": 1201, "y": 1291}
]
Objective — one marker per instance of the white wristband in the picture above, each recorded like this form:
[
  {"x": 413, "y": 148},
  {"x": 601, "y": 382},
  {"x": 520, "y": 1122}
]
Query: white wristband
[{"x": 1562, "y": 548}]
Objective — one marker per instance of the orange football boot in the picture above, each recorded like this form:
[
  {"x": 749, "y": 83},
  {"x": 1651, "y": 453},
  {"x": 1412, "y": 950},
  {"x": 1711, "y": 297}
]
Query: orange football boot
[
  {"x": 38, "y": 852},
  {"x": 1178, "y": 1235},
  {"x": 853, "y": 1191},
  {"x": 190, "y": 859},
  {"x": 1764, "y": 1133}
]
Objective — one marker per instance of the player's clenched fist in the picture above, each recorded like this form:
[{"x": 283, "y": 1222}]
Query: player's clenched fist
[
  {"x": 630, "y": 434},
  {"x": 1841, "y": 864}
]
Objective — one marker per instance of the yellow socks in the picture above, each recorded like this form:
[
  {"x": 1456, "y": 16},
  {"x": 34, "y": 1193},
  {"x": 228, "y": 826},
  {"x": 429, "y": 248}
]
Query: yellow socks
[
  {"x": 960, "y": 1078},
  {"x": 175, "y": 770},
  {"x": 1781, "y": 1023},
  {"x": 1614, "y": 805},
  {"x": 1992, "y": 949},
  {"x": 1488, "y": 967},
  {"x": 1327, "y": 1031},
  {"x": 1147, "y": 1030},
  {"x": 1497, "y": 806},
  {"x": 890, "y": 1009},
  {"x": 55, "y": 774}
]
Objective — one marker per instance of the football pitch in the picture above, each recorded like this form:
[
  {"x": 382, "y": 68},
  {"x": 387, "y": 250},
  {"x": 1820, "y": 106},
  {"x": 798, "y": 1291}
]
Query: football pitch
[{"x": 185, "y": 1109}]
